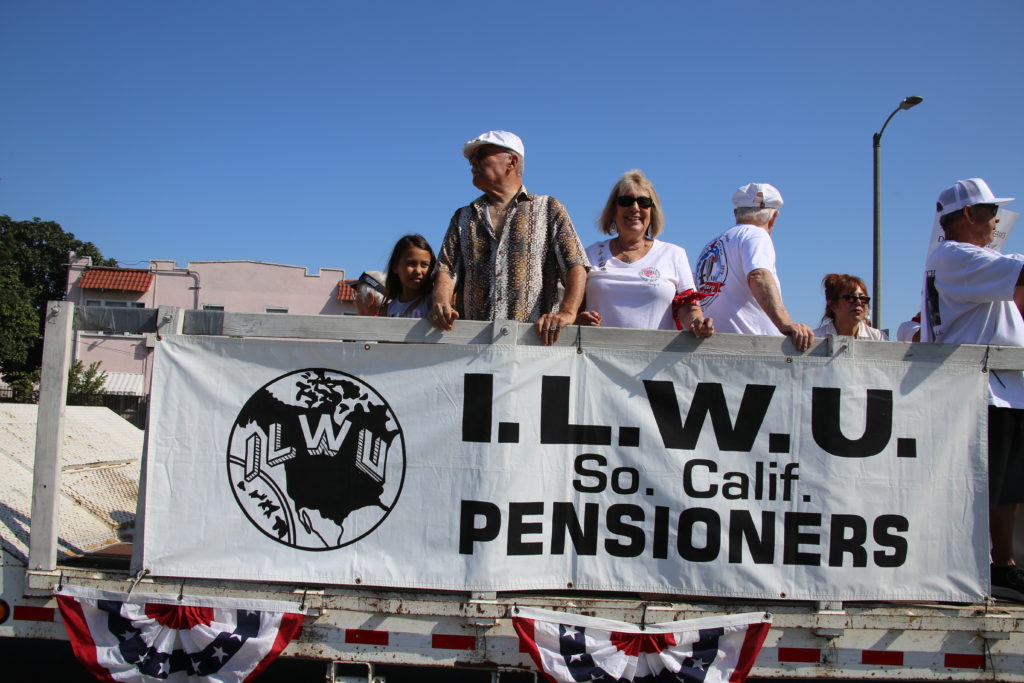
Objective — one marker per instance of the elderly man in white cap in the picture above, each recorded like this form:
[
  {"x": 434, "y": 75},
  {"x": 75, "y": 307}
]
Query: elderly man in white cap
[
  {"x": 736, "y": 271},
  {"x": 505, "y": 255},
  {"x": 974, "y": 295}
]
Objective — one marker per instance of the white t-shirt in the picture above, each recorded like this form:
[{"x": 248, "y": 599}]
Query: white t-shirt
[
  {"x": 408, "y": 309},
  {"x": 863, "y": 331},
  {"x": 968, "y": 299},
  {"x": 721, "y": 272},
  {"x": 639, "y": 294},
  {"x": 906, "y": 331}
]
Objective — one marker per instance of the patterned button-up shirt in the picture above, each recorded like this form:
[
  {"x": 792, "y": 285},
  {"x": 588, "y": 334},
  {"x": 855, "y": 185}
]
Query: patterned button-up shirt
[{"x": 517, "y": 275}]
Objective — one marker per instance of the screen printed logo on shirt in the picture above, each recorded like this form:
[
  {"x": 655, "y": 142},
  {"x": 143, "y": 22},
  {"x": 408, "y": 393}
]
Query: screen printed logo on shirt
[
  {"x": 712, "y": 269},
  {"x": 650, "y": 275}
]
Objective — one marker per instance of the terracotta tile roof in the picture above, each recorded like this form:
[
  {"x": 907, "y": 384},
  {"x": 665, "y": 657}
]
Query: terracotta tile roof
[
  {"x": 116, "y": 279},
  {"x": 345, "y": 291}
]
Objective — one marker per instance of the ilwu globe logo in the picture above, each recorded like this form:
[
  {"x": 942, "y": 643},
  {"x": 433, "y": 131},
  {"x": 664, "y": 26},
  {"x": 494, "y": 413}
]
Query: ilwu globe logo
[{"x": 316, "y": 459}]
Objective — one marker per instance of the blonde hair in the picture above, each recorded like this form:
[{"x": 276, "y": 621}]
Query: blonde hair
[{"x": 638, "y": 180}]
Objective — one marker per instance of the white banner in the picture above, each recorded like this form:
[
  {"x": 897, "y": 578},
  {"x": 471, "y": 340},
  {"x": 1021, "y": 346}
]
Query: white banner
[{"x": 505, "y": 468}]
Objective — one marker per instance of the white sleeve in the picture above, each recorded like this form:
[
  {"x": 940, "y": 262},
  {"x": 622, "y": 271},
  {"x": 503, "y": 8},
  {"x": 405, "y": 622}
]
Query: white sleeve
[
  {"x": 683, "y": 273},
  {"x": 757, "y": 251},
  {"x": 981, "y": 275}
]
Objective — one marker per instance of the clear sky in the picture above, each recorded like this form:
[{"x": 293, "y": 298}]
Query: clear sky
[{"x": 316, "y": 133}]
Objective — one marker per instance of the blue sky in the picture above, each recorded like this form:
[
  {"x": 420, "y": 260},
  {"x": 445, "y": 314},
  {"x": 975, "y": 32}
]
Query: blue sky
[{"x": 316, "y": 133}]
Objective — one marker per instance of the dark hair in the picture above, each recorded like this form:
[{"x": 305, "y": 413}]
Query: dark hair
[
  {"x": 946, "y": 221},
  {"x": 836, "y": 285},
  {"x": 392, "y": 285}
]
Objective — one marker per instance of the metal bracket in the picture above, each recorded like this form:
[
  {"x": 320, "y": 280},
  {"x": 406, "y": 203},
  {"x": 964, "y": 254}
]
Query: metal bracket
[
  {"x": 994, "y": 635},
  {"x": 829, "y": 633},
  {"x": 839, "y": 345},
  {"x": 369, "y": 677}
]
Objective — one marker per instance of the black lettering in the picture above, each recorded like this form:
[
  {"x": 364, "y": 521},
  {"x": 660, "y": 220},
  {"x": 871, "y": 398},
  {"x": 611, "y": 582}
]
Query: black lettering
[
  {"x": 743, "y": 530},
  {"x": 601, "y": 477},
  {"x": 840, "y": 543},
  {"x": 660, "y": 549},
  {"x": 708, "y": 398},
  {"x": 793, "y": 538},
  {"x": 517, "y": 528},
  {"x": 477, "y": 397},
  {"x": 825, "y": 416},
  {"x": 735, "y": 490},
  {"x": 688, "y": 479},
  {"x": 881, "y": 532},
  {"x": 469, "y": 532},
  {"x": 615, "y": 521},
  {"x": 633, "y": 481},
  {"x": 554, "y": 417},
  {"x": 688, "y": 519},
  {"x": 584, "y": 536}
]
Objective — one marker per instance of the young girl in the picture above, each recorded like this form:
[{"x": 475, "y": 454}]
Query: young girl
[{"x": 409, "y": 280}]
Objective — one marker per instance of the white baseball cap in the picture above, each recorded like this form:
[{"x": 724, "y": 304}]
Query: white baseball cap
[
  {"x": 967, "y": 193},
  {"x": 757, "y": 195},
  {"x": 374, "y": 279},
  {"x": 501, "y": 138}
]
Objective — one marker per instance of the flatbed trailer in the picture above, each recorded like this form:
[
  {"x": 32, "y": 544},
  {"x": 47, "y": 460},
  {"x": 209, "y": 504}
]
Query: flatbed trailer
[{"x": 374, "y": 627}]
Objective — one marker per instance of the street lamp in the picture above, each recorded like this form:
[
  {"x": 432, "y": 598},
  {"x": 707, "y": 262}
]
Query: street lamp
[{"x": 876, "y": 277}]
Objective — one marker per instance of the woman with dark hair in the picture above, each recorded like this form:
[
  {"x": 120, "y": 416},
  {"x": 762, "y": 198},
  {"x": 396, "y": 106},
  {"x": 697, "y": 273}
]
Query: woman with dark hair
[
  {"x": 408, "y": 283},
  {"x": 636, "y": 280},
  {"x": 846, "y": 309}
]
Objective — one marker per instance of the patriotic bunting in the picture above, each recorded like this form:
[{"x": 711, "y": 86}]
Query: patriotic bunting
[
  {"x": 570, "y": 648},
  {"x": 118, "y": 637}
]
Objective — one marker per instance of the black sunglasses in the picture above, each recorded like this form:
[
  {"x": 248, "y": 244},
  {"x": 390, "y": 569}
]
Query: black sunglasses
[
  {"x": 994, "y": 208},
  {"x": 627, "y": 200},
  {"x": 853, "y": 298}
]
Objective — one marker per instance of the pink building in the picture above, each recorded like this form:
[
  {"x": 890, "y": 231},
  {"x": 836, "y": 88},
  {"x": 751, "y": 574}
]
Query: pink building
[{"x": 238, "y": 286}]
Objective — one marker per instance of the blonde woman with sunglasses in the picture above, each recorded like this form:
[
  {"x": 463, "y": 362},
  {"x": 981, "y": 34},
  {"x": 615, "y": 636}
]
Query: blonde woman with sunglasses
[{"x": 636, "y": 280}]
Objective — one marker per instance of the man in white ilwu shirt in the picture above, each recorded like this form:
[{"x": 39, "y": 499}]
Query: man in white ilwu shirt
[
  {"x": 736, "y": 272},
  {"x": 973, "y": 295}
]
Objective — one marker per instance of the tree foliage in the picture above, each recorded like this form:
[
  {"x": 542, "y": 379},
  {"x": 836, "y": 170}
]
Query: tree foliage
[
  {"x": 33, "y": 270},
  {"x": 85, "y": 384}
]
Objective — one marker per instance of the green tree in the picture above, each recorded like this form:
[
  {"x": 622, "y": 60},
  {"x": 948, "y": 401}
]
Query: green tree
[
  {"x": 85, "y": 385},
  {"x": 33, "y": 270},
  {"x": 19, "y": 322}
]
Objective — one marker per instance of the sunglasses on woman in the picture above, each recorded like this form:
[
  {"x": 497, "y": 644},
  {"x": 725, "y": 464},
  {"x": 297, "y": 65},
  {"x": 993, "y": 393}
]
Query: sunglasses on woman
[
  {"x": 626, "y": 200},
  {"x": 855, "y": 299}
]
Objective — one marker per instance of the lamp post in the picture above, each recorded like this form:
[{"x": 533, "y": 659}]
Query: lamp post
[{"x": 876, "y": 276}]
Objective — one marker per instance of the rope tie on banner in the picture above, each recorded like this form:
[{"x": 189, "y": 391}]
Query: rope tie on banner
[
  {"x": 985, "y": 369},
  {"x": 302, "y": 605},
  {"x": 579, "y": 339},
  {"x": 515, "y": 608},
  {"x": 142, "y": 573},
  {"x": 643, "y": 618},
  {"x": 60, "y": 583},
  {"x": 181, "y": 591}
]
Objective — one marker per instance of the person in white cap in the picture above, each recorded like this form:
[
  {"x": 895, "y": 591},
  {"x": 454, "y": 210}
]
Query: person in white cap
[
  {"x": 973, "y": 295},
  {"x": 509, "y": 254},
  {"x": 736, "y": 272},
  {"x": 369, "y": 292}
]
